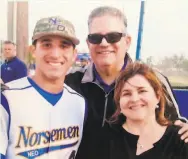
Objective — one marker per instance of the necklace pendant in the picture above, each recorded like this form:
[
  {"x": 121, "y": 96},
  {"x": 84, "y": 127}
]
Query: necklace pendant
[{"x": 140, "y": 146}]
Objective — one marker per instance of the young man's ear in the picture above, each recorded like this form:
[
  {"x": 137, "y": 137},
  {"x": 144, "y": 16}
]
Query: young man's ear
[{"x": 75, "y": 55}]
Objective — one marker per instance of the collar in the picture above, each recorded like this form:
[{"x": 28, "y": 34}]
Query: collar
[
  {"x": 11, "y": 59},
  {"x": 100, "y": 81}
]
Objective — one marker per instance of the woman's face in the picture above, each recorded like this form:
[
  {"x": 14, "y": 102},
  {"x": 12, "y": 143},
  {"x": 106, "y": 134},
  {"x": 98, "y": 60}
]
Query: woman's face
[{"x": 138, "y": 99}]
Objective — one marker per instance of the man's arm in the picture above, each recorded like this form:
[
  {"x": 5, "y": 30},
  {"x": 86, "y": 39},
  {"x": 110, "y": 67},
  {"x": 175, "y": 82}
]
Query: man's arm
[
  {"x": 183, "y": 131},
  {"x": 4, "y": 125}
]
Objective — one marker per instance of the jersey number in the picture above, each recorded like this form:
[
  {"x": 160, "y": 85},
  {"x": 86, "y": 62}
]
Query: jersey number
[{"x": 72, "y": 155}]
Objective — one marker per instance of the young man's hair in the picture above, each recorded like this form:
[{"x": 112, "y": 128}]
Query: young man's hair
[{"x": 107, "y": 10}]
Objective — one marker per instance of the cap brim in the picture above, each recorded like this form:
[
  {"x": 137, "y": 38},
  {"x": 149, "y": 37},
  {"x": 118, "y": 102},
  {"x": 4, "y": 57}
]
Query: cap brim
[{"x": 74, "y": 40}]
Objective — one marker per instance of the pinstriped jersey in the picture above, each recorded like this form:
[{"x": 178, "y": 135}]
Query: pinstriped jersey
[{"x": 31, "y": 128}]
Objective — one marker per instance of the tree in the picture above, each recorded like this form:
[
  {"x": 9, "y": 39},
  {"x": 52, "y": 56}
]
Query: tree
[
  {"x": 184, "y": 65},
  {"x": 149, "y": 60},
  {"x": 177, "y": 61}
]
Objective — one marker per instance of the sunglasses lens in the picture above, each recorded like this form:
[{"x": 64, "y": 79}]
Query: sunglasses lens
[
  {"x": 110, "y": 37},
  {"x": 95, "y": 38},
  {"x": 113, "y": 37}
]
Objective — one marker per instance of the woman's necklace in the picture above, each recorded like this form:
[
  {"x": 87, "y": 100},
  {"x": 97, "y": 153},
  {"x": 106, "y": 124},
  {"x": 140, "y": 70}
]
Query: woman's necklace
[{"x": 140, "y": 146}]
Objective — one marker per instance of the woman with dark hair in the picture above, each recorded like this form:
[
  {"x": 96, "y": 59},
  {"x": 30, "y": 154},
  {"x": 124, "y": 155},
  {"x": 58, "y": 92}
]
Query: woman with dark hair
[{"x": 139, "y": 129}]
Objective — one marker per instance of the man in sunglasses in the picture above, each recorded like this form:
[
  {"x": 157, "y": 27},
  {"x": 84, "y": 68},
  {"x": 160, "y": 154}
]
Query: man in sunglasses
[{"x": 108, "y": 42}]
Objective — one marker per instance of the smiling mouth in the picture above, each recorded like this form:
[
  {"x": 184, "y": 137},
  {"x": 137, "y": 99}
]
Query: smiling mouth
[
  {"x": 135, "y": 107},
  {"x": 105, "y": 52},
  {"x": 56, "y": 63}
]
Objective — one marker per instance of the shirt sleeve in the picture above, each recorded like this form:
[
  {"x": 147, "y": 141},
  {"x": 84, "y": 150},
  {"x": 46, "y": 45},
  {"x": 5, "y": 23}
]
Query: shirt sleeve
[
  {"x": 4, "y": 124},
  {"x": 21, "y": 71}
]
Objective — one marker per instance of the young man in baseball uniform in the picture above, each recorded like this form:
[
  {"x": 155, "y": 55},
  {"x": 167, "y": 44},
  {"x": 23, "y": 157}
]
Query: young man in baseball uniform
[{"x": 40, "y": 116}]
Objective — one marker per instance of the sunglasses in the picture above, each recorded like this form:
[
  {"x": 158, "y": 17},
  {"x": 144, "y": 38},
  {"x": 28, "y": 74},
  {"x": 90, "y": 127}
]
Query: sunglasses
[{"x": 112, "y": 37}]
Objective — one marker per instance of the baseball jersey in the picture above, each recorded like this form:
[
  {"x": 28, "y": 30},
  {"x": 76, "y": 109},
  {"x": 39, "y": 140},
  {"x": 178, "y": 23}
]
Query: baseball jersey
[{"x": 32, "y": 128}]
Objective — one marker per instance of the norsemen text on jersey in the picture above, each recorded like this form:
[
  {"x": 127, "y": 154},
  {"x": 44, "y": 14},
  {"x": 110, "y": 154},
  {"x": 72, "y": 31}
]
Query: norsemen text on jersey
[
  {"x": 28, "y": 138},
  {"x": 41, "y": 134}
]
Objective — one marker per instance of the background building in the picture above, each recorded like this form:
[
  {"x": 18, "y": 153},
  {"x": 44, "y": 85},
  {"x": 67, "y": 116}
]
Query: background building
[
  {"x": 17, "y": 25},
  {"x": 3, "y": 26},
  {"x": 14, "y": 26}
]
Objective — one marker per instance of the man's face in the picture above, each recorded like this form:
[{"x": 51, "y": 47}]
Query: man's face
[
  {"x": 54, "y": 56},
  {"x": 108, "y": 54},
  {"x": 9, "y": 51}
]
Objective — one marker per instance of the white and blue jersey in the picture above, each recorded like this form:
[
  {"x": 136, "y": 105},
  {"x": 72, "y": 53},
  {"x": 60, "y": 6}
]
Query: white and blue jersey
[{"x": 33, "y": 127}]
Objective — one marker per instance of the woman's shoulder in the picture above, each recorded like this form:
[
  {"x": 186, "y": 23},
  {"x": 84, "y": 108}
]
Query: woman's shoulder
[
  {"x": 171, "y": 134},
  {"x": 172, "y": 138},
  {"x": 171, "y": 144},
  {"x": 173, "y": 129}
]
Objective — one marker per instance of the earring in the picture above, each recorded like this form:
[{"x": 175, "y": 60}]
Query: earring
[{"x": 157, "y": 106}]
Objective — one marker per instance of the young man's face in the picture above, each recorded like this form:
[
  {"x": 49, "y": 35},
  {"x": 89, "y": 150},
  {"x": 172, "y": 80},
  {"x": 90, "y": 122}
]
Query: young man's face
[
  {"x": 9, "y": 51},
  {"x": 105, "y": 53},
  {"x": 54, "y": 56}
]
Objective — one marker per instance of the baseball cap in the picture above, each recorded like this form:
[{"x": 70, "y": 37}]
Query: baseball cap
[{"x": 55, "y": 25}]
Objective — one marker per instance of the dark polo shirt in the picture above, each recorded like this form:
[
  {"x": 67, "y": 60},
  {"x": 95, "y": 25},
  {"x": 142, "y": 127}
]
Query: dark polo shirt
[{"x": 13, "y": 69}]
